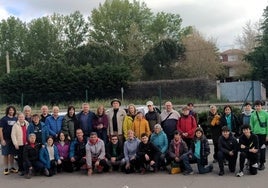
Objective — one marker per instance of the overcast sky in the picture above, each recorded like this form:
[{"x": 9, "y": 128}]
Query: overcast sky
[{"x": 220, "y": 19}]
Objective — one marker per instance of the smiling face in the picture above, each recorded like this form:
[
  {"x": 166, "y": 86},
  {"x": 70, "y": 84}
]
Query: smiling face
[{"x": 49, "y": 141}]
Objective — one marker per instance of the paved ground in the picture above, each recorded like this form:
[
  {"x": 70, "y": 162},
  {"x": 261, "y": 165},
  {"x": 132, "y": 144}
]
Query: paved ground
[{"x": 119, "y": 180}]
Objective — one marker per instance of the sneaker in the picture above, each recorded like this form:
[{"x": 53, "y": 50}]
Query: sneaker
[
  {"x": 188, "y": 173},
  {"x": 28, "y": 176},
  {"x": 13, "y": 170},
  {"x": 261, "y": 167},
  {"x": 6, "y": 171},
  {"x": 221, "y": 173},
  {"x": 255, "y": 165},
  {"x": 240, "y": 174},
  {"x": 46, "y": 172}
]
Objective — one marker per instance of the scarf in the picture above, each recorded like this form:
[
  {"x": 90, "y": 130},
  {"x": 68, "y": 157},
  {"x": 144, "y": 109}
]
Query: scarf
[{"x": 177, "y": 147}]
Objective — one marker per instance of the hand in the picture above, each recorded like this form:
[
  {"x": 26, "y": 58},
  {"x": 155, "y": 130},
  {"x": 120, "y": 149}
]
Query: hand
[
  {"x": 72, "y": 159},
  {"x": 177, "y": 159},
  {"x": 152, "y": 163},
  {"x": 231, "y": 153},
  {"x": 16, "y": 146},
  {"x": 190, "y": 156},
  {"x": 3, "y": 142},
  {"x": 243, "y": 146},
  {"x": 253, "y": 150},
  {"x": 59, "y": 161},
  {"x": 97, "y": 163},
  {"x": 147, "y": 158},
  {"x": 113, "y": 159},
  {"x": 100, "y": 126},
  {"x": 267, "y": 139}
]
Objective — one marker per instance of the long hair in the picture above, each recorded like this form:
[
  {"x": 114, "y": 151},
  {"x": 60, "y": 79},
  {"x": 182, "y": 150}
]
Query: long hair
[{"x": 11, "y": 107}]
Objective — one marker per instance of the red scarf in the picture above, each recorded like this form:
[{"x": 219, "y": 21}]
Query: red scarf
[
  {"x": 23, "y": 128},
  {"x": 177, "y": 147}
]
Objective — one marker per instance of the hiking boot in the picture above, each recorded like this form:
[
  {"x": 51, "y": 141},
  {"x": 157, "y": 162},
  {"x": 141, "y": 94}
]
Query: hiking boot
[
  {"x": 240, "y": 174},
  {"x": 46, "y": 172},
  {"x": 6, "y": 171},
  {"x": 13, "y": 170},
  {"x": 261, "y": 167},
  {"x": 221, "y": 173}
]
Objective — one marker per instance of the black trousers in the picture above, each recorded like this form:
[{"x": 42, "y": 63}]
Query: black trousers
[{"x": 231, "y": 161}]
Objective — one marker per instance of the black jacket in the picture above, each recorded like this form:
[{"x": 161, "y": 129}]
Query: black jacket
[{"x": 227, "y": 145}]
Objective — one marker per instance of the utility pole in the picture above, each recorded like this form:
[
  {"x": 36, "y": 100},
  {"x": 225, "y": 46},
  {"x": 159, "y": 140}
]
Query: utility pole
[{"x": 7, "y": 61}]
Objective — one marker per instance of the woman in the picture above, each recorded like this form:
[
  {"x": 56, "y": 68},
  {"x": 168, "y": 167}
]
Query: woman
[
  {"x": 215, "y": 127},
  {"x": 128, "y": 120},
  {"x": 140, "y": 125},
  {"x": 130, "y": 150},
  {"x": 49, "y": 156},
  {"x": 70, "y": 123},
  {"x": 100, "y": 124},
  {"x": 63, "y": 146},
  {"x": 198, "y": 153},
  {"x": 159, "y": 139},
  {"x": 230, "y": 120},
  {"x": 19, "y": 139}
]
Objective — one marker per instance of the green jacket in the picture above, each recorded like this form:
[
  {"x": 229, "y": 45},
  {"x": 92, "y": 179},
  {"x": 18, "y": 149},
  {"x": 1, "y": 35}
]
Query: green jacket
[{"x": 255, "y": 123}]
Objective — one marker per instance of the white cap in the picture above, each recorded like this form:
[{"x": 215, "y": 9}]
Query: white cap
[{"x": 149, "y": 103}]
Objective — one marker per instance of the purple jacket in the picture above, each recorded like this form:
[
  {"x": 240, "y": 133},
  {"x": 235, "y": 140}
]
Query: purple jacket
[{"x": 63, "y": 150}]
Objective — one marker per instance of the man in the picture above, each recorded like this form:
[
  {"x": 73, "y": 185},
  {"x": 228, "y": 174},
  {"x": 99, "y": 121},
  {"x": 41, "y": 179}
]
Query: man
[
  {"x": 54, "y": 123},
  {"x": 114, "y": 153},
  {"x": 186, "y": 125},
  {"x": 115, "y": 118},
  {"x": 8, "y": 149},
  {"x": 95, "y": 154},
  {"x": 192, "y": 112},
  {"x": 169, "y": 118},
  {"x": 249, "y": 147},
  {"x": 148, "y": 154},
  {"x": 85, "y": 119},
  {"x": 78, "y": 150},
  {"x": 44, "y": 113},
  {"x": 258, "y": 124},
  {"x": 152, "y": 116},
  {"x": 39, "y": 129},
  {"x": 27, "y": 111},
  {"x": 228, "y": 149}
]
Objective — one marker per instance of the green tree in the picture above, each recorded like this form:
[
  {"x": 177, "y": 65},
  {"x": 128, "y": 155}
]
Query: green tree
[
  {"x": 258, "y": 58},
  {"x": 43, "y": 41},
  {"x": 12, "y": 36},
  {"x": 160, "y": 60}
]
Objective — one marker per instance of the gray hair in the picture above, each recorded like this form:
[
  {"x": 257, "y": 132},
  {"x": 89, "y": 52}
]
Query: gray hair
[{"x": 158, "y": 126}]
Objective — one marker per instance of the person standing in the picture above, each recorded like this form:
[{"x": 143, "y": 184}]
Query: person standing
[
  {"x": 7, "y": 147},
  {"x": 230, "y": 120},
  {"x": 27, "y": 111},
  {"x": 215, "y": 128},
  {"x": 100, "y": 124},
  {"x": 44, "y": 113},
  {"x": 228, "y": 149},
  {"x": 54, "y": 123},
  {"x": 115, "y": 118},
  {"x": 39, "y": 129},
  {"x": 70, "y": 123},
  {"x": 258, "y": 123},
  {"x": 152, "y": 116},
  {"x": 19, "y": 139},
  {"x": 85, "y": 119},
  {"x": 187, "y": 126},
  {"x": 128, "y": 120},
  {"x": 140, "y": 125},
  {"x": 169, "y": 118}
]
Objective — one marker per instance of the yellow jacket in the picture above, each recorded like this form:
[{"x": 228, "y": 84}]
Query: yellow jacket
[
  {"x": 140, "y": 126},
  {"x": 127, "y": 125}
]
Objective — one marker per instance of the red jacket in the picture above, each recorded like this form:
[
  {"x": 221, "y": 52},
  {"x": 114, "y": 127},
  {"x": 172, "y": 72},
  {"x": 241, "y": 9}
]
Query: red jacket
[{"x": 187, "y": 124}]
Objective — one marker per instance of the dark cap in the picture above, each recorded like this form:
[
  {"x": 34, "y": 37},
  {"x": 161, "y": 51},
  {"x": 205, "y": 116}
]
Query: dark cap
[{"x": 115, "y": 100}]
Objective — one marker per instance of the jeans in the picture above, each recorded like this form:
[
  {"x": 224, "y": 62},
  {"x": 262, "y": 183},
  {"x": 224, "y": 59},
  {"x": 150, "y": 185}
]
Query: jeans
[{"x": 186, "y": 161}]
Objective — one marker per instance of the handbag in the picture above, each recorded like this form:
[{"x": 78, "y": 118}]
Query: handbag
[{"x": 175, "y": 168}]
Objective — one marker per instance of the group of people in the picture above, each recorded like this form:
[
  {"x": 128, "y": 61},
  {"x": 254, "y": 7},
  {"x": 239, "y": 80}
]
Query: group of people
[{"x": 129, "y": 141}]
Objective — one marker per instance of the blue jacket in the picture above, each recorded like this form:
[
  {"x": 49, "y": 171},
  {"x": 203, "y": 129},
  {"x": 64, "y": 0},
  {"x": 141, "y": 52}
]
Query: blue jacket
[
  {"x": 39, "y": 130},
  {"x": 44, "y": 156},
  {"x": 160, "y": 140},
  {"x": 54, "y": 125},
  {"x": 87, "y": 130}
]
